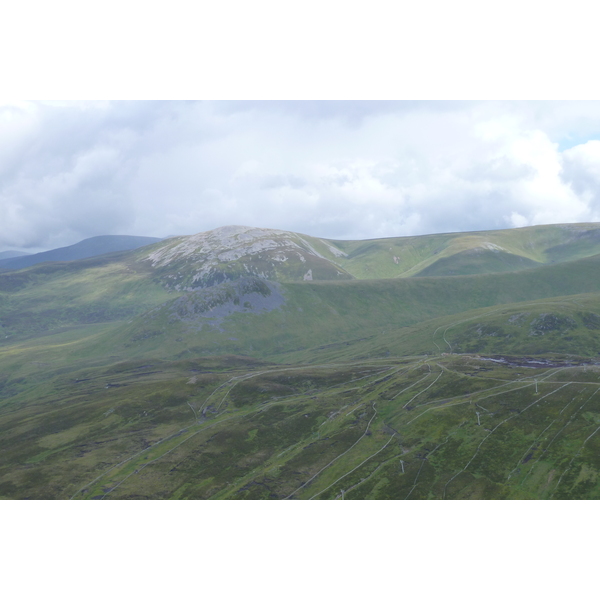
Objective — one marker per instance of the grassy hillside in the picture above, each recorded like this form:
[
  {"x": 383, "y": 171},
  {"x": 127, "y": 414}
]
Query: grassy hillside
[
  {"x": 404, "y": 428},
  {"x": 297, "y": 318},
  {"x": 47, "y": 297},
  {"x": 166, "y": 372},
  {"x": 469, "y": 253},
  {"x": 565, "y": 325},
  {"x": 307, "y": 315},
  {"x": 477, "y": 260},
  {"x": 120, "y": 286},
  {"x": 94, "y": 246}
]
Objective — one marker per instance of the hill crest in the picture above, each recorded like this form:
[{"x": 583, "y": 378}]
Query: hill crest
[
  {"x": 230, "y": 252},
  {"x": 226, "y": 253},
  {"x": 88, "y": 248}
]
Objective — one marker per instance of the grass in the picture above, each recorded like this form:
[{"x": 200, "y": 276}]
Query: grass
[
  {"x": 48, "y": 297},
  {"x": 375, "y": 430},
  {"x": 467, "y": 253},
  {"x": 381, "y": 388},
  {"x": 323, "y": 317}
]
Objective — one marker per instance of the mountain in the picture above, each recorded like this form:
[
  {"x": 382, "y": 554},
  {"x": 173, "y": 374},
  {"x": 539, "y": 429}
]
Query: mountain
[
  {"x": 469, "y": 253},
  {"x": 11, "y": 254},
  {"x": 271, "y": 319},
  {"x": 257, "y": 363},
  {"x": 227, "y": 253},
  {"x": 94, "y": 246},
  {"x": 199, "y": 271},
  {"x": 185, "y": 263}
]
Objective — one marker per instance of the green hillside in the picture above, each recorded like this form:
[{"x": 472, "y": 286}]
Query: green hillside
[
  {"x": 565, "y": 325},
  {"x": 122, "y": 285},
  {"x": 404, "y": 428},
  {"x": 469, "y": 253},
  {"x": 51, "y": 296},
  {"x": 296, "y": 318},
  {"x": 246, "y": 363},
  {"x": 475, "y": 261},
  {"x": 94, "y": 246}
]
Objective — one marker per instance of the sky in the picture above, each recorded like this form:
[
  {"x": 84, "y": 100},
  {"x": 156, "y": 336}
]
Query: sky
[{"x": 333, "y": 169}]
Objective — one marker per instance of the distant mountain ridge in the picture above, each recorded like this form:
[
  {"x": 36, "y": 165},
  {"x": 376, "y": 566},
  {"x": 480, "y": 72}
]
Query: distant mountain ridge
[
  {"x": 227, "y": 253},
  {"x": 90, "y": 247},
  {"x": 209, "y": 258},
  {"x": 469, "y": 253},
  {"x": 12, "y": 254}
]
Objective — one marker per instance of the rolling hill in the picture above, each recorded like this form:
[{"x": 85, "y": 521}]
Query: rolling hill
[
  {"x": 11, "y": 254},
  {"x": 470, "y": 253},
  {"x": 256, "y": 363},
  {"x": 94, "y": 246}
]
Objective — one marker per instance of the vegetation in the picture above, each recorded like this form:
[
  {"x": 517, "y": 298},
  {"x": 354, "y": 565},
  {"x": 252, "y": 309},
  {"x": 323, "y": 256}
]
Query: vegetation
[{"x": 116, "y": 384}]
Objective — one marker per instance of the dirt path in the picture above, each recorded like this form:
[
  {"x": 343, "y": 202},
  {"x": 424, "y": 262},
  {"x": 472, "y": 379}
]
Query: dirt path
[{"x": 337, "y": 457}]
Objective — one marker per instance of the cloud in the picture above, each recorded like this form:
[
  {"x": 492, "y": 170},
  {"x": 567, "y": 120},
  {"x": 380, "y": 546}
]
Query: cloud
[
  {"x": 581, "y": 171},
  {"x": 332, "y": 169}
]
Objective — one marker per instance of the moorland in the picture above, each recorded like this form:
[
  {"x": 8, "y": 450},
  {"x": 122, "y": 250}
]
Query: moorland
[{"x": 247, "y": 363}]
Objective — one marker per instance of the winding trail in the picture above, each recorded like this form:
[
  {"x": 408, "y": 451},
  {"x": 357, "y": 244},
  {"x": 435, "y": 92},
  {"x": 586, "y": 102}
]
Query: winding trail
[
  {"x": 354, "y": 469},
  {"x": 233, "y": 381},
  {"x": 379, "y": 371},
  {"x": 424, "y": 390},
  {"x": 575, "y": 413},
  {"x": 495, "y": 428},
  {"x": 576, "y": 454},
  {"x": 337, "y": 457},
  {"x": 379, "y": 466}
]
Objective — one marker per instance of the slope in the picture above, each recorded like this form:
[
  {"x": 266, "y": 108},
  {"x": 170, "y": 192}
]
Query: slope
[
  {"x": 469, "y": 253},
  {"x": 418, "y": 427},
  {"x": 47, "y": 297},
  {"x": 348, "y": 389},
  {"x": 94, "y": 246},
  {"x": 277, "y": 320},
  {"x": 124, "y": 285},
  {"x": 12, "y": 254},
  {"x": 228, "y": 253}
]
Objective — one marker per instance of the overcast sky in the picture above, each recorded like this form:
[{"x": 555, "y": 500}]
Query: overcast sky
[{"x": 345, "y": 170}]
